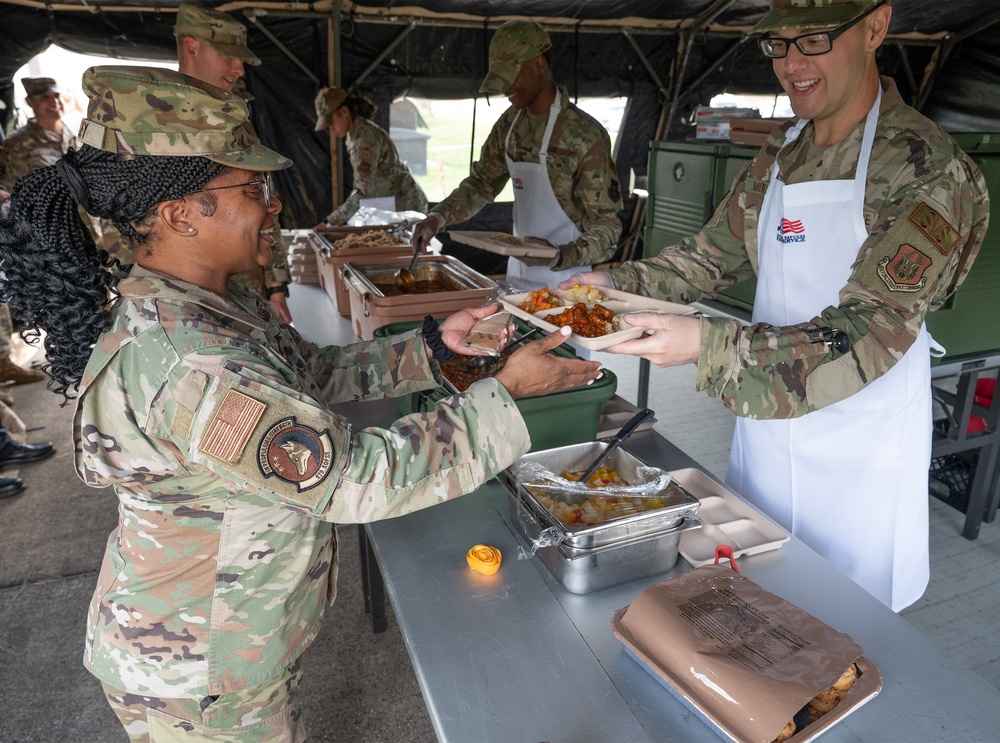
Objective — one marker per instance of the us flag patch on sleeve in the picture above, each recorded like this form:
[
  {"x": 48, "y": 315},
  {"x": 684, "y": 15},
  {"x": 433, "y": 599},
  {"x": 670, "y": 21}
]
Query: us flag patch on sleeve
[{"x": 230, "y": 430}]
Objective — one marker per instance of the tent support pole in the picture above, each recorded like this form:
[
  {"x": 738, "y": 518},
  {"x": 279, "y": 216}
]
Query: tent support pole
[
  {"x": 717, "y": 62},
  {"x": 386, "y": 52},
  {"x": 252, "y": 17},
  {"x": 627, "y": 33},
  {"x": 333, "y": 41}
]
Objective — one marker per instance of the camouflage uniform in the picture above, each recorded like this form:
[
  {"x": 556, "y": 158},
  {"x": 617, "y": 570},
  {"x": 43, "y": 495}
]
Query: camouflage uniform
[
  {"x": 31, "y": 147},
  {"x": 378, "y": 171},
  {"x": 211, "y": 419},
  {"x": 580, "y": 169},
  {"x": 923, "y": 193}
]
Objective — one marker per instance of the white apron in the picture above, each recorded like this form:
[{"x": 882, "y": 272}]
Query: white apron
[
  {"x": 537, "y": 212},
  {"x": 850, "y": 479}
]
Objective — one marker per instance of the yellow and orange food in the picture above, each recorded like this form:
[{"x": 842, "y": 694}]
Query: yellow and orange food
[
  {"x": 541, "y": 299},
  {"x": 588, "y": 294},
  {"x": 598, "y": 509},
  {"x": 484, "y": 559}
]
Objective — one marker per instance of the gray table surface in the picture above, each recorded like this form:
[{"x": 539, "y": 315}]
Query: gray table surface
[{"x": 515, "y": 657}]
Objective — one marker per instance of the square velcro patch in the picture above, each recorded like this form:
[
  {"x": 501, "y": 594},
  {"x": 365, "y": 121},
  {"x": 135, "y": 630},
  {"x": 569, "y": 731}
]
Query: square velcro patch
[{"x": 230, "y": 430}]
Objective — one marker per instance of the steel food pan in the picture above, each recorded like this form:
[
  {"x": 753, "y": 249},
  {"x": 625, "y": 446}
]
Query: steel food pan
[
  {"x": 582, "y": 571},
  {"x": 678, "y": 502},
  {"x": 453, "y": 276}
]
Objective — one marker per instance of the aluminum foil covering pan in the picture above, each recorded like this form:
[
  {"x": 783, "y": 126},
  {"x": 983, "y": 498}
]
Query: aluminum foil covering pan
[{"x": 678, "y": 502}]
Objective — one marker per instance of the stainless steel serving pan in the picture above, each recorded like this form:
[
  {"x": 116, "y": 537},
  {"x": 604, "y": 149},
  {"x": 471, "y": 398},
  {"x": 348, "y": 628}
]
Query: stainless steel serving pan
[
  {"x": 679, "y": 503},
  {"x": 585, "y": 570}
]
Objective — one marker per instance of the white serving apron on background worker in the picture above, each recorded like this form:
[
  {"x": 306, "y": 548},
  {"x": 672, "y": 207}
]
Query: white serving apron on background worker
[
  {"x": 850, "y": 479},
  {"x": 537, "y": 212}
]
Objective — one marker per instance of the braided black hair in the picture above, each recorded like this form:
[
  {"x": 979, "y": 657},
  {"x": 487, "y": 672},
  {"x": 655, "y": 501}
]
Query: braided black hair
[{"x": 52, "y": 275}]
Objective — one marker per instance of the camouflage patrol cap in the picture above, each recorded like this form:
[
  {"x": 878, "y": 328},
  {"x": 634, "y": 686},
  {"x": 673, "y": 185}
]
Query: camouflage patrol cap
[
  {"x": 39, "y": 85},
  {"x": 227, "y": 35},
  {"x": 156, "y": 111},
  {"x": 812, "y": 13},
  {"x": 514, "y": 43},
  {"x": 328, "y": 100}
]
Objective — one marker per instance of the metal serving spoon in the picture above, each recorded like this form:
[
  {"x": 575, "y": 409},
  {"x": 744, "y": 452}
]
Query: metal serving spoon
[{"x": 404, "y": 279}]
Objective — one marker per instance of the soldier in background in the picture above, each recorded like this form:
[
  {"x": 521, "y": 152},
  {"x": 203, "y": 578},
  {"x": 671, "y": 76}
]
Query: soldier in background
[
  {"x": 857, "y": 219},
  {"x": 212, "y": 47},
  {"x": 378, "y": 171},
  {"x": 566, "y": 190},
  {"x": 40, "y": 142},
  {"x": 211, "y": 419}
]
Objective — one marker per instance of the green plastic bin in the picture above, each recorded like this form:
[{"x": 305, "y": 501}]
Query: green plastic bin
[
  {"x": 686, "y": 182},
  {"x": 558, "y": 419}
]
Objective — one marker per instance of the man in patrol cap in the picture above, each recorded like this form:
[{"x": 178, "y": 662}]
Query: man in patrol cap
[
  {"x": 857, "y": 218},
  {"x": 212, "y": 47},
  {"x": 566, "y": 190}
]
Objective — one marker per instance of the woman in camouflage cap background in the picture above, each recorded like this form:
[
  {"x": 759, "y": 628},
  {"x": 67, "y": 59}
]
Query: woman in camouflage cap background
[
  {"x": 378, "y": 171},
  {"x": 211, "y": 418}
]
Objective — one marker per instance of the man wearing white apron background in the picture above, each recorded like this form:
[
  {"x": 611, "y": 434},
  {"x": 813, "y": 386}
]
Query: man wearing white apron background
[
  {"x": 566, "y": 190},
  {"x": 857, "y": 219}
]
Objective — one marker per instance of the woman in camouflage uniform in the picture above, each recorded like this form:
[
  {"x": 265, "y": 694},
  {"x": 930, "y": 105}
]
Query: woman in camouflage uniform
[
  {"x": 378, "y": 171},
  {"x": 211, "y": 418}
]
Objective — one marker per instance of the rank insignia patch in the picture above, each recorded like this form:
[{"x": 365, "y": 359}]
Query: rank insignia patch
[
  {"x": 904, "y": 272},
  {"x": 231, "y": 427},
  {"x": 935, "y": 228},
  {"x": 295, "y": 453}
]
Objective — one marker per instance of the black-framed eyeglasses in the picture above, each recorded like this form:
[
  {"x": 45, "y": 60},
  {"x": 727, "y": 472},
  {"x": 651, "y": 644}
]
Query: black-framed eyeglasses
[
  {"x": 264, "y": 183},
  {"x": 810, "y": 45}
]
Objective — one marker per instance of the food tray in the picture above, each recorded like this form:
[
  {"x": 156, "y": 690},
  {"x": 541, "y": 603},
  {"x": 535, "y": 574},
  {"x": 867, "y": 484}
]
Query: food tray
[
  {"x": 555, "y": 419},
  {"x": 869, "y": 684},
  {"x": 618, "y": 302},
  {"x": 486, "y": 241},
  {"x": 725, "y": 520},
  {"x": 679, "y": 502}
]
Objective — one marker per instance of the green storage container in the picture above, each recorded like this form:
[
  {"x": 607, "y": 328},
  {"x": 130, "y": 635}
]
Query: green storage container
[
  {"x": 559, "y": 419},
  {"x": 967, "y": 323},
  {"x": 686, "y": 182}
]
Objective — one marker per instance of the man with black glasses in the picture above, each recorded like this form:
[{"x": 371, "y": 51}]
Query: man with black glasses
[{"x": 857, "y": 218}]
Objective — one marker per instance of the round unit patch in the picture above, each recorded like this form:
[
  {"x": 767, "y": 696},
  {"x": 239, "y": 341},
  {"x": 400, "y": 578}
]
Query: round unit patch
[{"x": 295, "y": 453}]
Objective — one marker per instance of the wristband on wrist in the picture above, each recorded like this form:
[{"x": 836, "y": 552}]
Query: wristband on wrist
[
  {"x": 282, "y": 289},
  {"x": 432, "y": 337}
]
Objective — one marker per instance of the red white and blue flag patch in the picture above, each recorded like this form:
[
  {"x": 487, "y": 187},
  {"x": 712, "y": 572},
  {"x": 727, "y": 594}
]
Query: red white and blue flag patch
[{"x": 795, "y": 228}]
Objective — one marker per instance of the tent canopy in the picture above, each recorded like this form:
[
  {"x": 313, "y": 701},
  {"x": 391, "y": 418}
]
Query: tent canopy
[{"x": 666, "y": 57}]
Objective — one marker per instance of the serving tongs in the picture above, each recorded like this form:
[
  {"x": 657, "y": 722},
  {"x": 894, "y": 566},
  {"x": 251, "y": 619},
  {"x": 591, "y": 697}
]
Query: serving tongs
[{"x": 627, "y": 430}]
